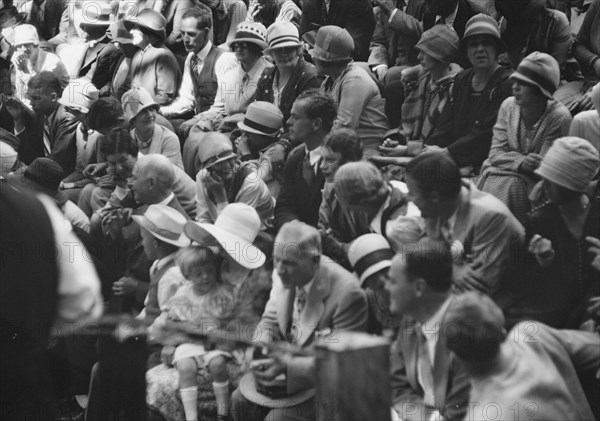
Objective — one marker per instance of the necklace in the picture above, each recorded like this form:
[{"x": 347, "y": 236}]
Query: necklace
[{"x": 143, "y": 143}]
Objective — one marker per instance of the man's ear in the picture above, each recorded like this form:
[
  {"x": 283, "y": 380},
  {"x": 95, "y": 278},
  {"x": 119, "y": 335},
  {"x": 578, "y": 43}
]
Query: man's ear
[
  {"x": 317, "y": 123},
  {"x": 152, "y": 181},
  {"x": 434, "y": 197},
  {"x": 419, "y": 285},
  {"x": 54, "y": 97}
]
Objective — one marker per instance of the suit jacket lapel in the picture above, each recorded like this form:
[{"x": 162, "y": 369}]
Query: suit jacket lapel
[
  {"x": 441, "y": 366},
  {"x": 320, "y": 290},
  {"x": 411, "y": 355},
  {"x": 285, "y": 306}
]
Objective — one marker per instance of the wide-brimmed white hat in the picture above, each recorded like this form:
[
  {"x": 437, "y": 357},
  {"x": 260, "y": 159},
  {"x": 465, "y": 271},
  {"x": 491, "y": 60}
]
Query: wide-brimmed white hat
[
  {"x": 234, "y": 230},
  {"x": 262, "y": 118},
  {"x": 249, "y": 391},
  {"x": 79, "y": 94},
  {"x": 164, "y": 223},
  {"x": 369, "y": 254}
]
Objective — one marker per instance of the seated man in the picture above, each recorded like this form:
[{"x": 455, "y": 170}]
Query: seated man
[
  {"x": 153, "y": 67},
  {"x": 504, "y": 368},
  {"x": 486, "y": 238},
  {"x": 223, "y": 179},
  {"x": 204, "y": 67},
  {"x": 360, "y": 104},
  {"x": 311, "y": 119},
  {"x": 427, "y": 380},
  {"x": 311, "y": 298}
]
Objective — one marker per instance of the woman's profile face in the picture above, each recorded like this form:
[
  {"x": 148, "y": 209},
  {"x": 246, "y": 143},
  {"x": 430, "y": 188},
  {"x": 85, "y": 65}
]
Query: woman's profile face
[{"x": 525, "y": 93}]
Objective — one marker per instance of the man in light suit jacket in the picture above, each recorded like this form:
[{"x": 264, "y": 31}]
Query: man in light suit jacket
[
  {"x": 486, "y": 238},
  {"x": 311, "y": 300},
  {"x": 427, "y": 380}
]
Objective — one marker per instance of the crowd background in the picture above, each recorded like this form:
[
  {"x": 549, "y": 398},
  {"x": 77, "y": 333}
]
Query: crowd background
[{"x": 294, "y": 169}]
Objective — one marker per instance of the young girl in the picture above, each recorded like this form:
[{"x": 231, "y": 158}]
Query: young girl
[{"x": 205, "y": 299}]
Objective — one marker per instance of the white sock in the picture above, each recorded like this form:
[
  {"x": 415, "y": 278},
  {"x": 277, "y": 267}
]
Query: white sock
[
  {"x": 189, "y": 398},
  {"x": 222, "y": 397}
]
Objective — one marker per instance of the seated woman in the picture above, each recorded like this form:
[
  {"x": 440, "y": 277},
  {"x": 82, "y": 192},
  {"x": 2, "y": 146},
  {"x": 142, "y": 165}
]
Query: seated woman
[
  {"x": 140, "y": 110},
  {"x": 465, "y": 128},
  {"x": 429, "y": 85},
  {"x": 527, "y": 125},
  {"x": 245, "y": 271},
  {"x": 281, "y": 85}
]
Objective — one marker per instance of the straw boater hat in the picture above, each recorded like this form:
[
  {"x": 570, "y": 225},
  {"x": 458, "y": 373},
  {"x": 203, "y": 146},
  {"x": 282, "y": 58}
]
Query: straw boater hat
[
  {"x": 333, "y": 45},
  {"x": 252, "y": 32},
  {"x": 135, "y": 101},
  {"x": 281, "y": 35},
  {"x": 43, "y": 175},
  {"x": 262, "y": 118},
  {"x": 369, "y": 254},
  {"x": 235, "y": 230},
  {"x": 164, "y": 223},
  {"x": 150, "y": 21},
  {"x": 79, "y": 94},
  {"x": 541, "y": 70}
]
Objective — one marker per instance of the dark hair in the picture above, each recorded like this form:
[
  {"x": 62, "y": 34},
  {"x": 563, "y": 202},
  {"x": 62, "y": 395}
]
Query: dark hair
[
  {"x": 435, "y": 172},
  {"x": 255, "y": 49},
  {"x": 202, "y": 13},
  {"x": 346, "y": 142},
  {"x": 431, "y": 261},
  {"x": 106, "y": 112},
  {"x": 46, "y": 82},
  {"x": 117, "y": 141},
  {"x": 319, "y": 105}
]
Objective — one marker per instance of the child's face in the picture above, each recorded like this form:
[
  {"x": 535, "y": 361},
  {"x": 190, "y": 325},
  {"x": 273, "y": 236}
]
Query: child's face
[{"x": 204, "y": 278}]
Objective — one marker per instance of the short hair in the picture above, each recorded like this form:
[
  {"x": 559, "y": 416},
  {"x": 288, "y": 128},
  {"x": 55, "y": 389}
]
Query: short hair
[
  {"x": 346, "y": 142},
  {"x": 319, "y": 105},
  {"x": 46, "y": 82},
  {"x": 105, "y": 112},
  {"x": 431, "y": 261},
  {"x": 435, "y": 172},
  {"x": 202, "y": 13},
  {"x": 306, "y": 238},
  {"x": 360, "y": 183},
  {"x": 118, "y": 140},
  {"x": 189, "y": 258},
  {"x": 159, "y": 167}
]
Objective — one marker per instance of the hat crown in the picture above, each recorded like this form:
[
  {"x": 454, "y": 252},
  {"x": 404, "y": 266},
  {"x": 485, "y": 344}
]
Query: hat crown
[
  {"x": 214, "y": 145},
  {"x": 264, "y": 117},
  {"x": 80, "y": 93},
  {"x": 239, "y": 219},
  {"x": 482, "y": 24},
  {"x": 135, "y": 100},
  {"x": 282, "y": 34},
  {"x": 45, "y": 172},
  {"x": 366, "y": 244},
  {"x": 95, "y": 14},
  {"x": 251, "y": 30},
  {"x": 333, "y": 43},
  {"x": 164, "y": 220},
  {"x": 26, "y": 34},
  {"x": 541, "y": 67},
  {"x": 441, "y": 42}
]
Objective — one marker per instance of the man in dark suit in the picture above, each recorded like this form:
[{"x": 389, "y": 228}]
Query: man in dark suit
[
  {"x": 310, "y": 121},
  {"x": 356, "y": 16},
  {"x": 45, "y": 15},
  {"x": 427, "y": 380}
]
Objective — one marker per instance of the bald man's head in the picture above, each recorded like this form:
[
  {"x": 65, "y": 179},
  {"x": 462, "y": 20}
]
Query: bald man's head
[
  {"x": 297, "y": 253},
  {"x": 152, "y": 179}
]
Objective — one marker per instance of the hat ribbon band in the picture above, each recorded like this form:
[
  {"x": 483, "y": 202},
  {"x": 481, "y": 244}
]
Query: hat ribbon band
[
  {"x": 212, "y": 159},
  {"x": 281, "y": 39},
  {"x": 534, "y": 76},
  {"x": 162, "y": 232},
  {"x": 247, "y": 34},
  {"x": 371, "y": 259},
  {"x": 260, "y": 127}
]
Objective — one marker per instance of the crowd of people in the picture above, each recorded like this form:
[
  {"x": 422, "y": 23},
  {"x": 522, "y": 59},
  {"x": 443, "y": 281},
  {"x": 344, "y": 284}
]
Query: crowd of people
[{"x": 280, "y": 171}]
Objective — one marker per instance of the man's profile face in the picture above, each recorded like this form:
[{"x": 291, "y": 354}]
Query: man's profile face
[
  {"x": 194, "y": 39},
  {"x": 300, "y": 126},
  {"x": 295, "y": 267},
  {"x": 400, "y": 288},
  {"x": 42, "y": 101},
  {"x": 423, "y": 202},
  {"x": 139, "y": 184}
]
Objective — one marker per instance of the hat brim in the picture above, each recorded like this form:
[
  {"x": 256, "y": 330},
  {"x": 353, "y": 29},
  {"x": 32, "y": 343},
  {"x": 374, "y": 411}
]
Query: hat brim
[
  {"x": 262, "y": 44},
  {"x": 249, "y": 129},
  {"x": 522, "y": 78},
  {"x": 73, "y": 105},
  {"x": 97, "y": 24},
  {"x": 152, "y": 104},
  {"x": 130, "y": 24},
  {"x": 240, "y": 250},
  {"x": 316, "y": 56},
  {"x": 122, "y": 40},
  {"x": 384, "y": 264},
  {"x": 500, "y": 45},
  {"x": 248, "y": 389},
  {"x": 18, "y": 180},
  {"x": 287, "y": 44},
  {"x": 222, "y": 159},
  {"x": 182, "y": 241}
]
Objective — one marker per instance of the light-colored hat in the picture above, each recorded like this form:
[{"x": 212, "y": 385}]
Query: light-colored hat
[
  {"x": 440, "y": 42},
  {"x": 8, "y": 157},
  {"x": 541, "y": 70},
  {"x": 95, "y": 14},
  {"x": 282, "y": 34},
  {"x": 135, "y": 101},
  {"x": 79, "y": 94},
  {"x": 405, "y": 230},
  {"x": 215, "y": 148},
  {"x": 333, "y": 45},
  {"x": 164, "y": 223},
  {"x": 369, "y": 254},
  {"x": 571, "y": 162},
  {"x": 150, "y": 20},
  {"x": 118, "y": 33},
  {"x": 235, "y": 230},
  {"x": 482, "y": 24},
  {"x": 250, "y": 392},
  {"x": 262, "y": 118},
  {"x": 253, "y": 32},
  {"x": 26, "y": 34}
]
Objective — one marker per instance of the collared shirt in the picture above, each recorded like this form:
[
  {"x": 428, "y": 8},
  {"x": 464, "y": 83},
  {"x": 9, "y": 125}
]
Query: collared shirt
[
  {"x": 411, "y": 208},
  {"x": 167, "y": 200},
  {"x": 187, "y": 99},
  {"x": 306, "y": 289},
  {"x": 314, "y": 156},
  {"x": 431, "y": 328}
]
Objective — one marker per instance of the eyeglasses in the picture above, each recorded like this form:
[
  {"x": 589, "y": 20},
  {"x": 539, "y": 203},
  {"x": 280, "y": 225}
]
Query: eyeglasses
[{"x": 242, "y": 45}]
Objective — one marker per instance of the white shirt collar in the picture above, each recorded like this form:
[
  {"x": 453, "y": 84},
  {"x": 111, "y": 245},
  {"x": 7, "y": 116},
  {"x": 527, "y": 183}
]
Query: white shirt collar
[
  {"x": 160, "y": 263},
  {"x": 376, "y": 222},
  {"x": 167, "y": 200},
  {"x": 203, "y": 53},
  {"x": 314, "y": 156}
]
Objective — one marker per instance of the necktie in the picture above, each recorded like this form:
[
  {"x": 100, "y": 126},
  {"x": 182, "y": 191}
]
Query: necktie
[
  {"x": 244, "y": 84},
  {"x": 300, "y": 302},
  {"x": 194, "y": 68},
  {"x": 308, "y": 172},
  {"x": 425, "y": 371},
  {"x": 47, "y": 142},
  {"x": 324, "y": 11}
]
